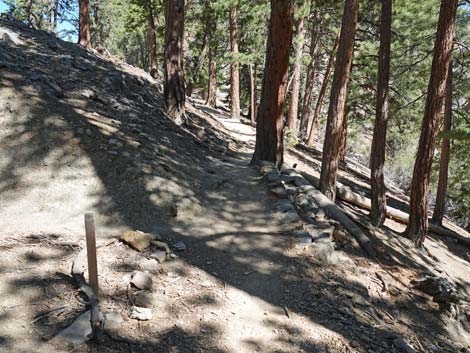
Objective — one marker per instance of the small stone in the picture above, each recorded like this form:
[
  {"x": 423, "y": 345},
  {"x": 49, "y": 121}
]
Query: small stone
[
  {"x": 88, "y": 93},
  {"x": 288, "y": 217},
  {"x": 179, "y": 246},
  {"x": 279, "y": 191},
  {"x": 302, "y": 239},
  {"x": 290, "y": 190},
  {"x": 273, "y": 176},
  {"x": 150, "y": 265},
  {"x": 142, "y": 314},
  {"x": 137, "y": 239},
  {"x": 159, "y": 255},
  {"x": 78, "y": 333},
  {"x": 141, "y": 280},
  {"x": 264, "y": 169},
  {"x": 112, "y": 320},
  {"x": 401, "y": 344},
  {"x": 319, "y": 233},
  {"x": 320, "y": 215},
  {"x": 283, "y": 206},
  {"x": 144, "y": 299},
  {"x": 305, "y": 188},
  {"x": 80, "y": 131},
  {"x": 300, "y": 181},
  {"x": 324, "y": 251}
]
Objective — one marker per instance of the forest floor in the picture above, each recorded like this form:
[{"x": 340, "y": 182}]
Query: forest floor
[{"x": 82, "y": 132}]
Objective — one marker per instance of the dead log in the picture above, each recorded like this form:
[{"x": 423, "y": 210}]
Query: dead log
[{"x": 348, "y": 195}]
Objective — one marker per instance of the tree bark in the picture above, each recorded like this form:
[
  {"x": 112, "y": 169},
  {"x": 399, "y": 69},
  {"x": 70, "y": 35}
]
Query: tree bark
[
  {"x": 174, "y": 90},
  {"x": 418, "y": 226},
  {"x": 234, "y": 67},
  {"x": 440, "y": 206},
  {"x": 309, "y": 81},
  {"x": 269, "y": 144},
  {"x": 344, "y": 136},
  {"x": 321, "y": 95},
  {"x": 338, "y": 94},
  {"x": 294, "y": 96},
  {"x": 152, "y": 41},
  {"x": 212, "y": 83},
  {"x": 379, "y": 206},
  {"x": 252, "y": 94},
  {"x": 84, "y": 36}
]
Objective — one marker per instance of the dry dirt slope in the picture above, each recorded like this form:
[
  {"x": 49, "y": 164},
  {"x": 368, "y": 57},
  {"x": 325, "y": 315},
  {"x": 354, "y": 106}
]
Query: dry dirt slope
[{"x": 79, "y": 132}]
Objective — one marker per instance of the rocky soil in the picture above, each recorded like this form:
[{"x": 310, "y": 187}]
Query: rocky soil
[{"x": 252, "y": 265}]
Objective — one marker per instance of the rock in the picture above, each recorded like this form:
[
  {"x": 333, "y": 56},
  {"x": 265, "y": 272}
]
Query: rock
[
  {"x": 112, "y": 320},
  {"x": 320, "y": 215},
  {"x": 300, "y": 181},
  {"x": 88, "y": 93},
  {"x": 288, "y": 217},
  {"x": 283, "y": 206},
  {"x": 279, "y": 192},
  {"x": 159, "y": 255},
  {"x": 305, "y": 188},
  {"x": 290, "y": 190},
  {"x": 319, "y": 233},
  {"x": 264, "y": 169},
  {"x": 137, "y": 239},
  {"x": 273, "y": 177},
  {"x": 78, "y": 333},
  {"x": 144, "y": 299},
  {"x": 150, "y": 265},
  {"x": 287, "y": 179},
  {"x": 141, "y": 280},
  {"x": 401, "y": 344},
  {"x": 179, "y": 246},
  {"x": 57, "y": 90},
  {"x": 301, "y": 239},
  {"x": 340, "y": 236},
  {"x": 440, "y": 288},
  {"x": 324, "y": 251},
  {"x": 142, "y": 314}
]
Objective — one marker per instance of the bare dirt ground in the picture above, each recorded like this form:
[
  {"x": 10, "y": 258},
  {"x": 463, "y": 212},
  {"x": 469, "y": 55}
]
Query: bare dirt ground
[{"x": 80, "y": 132}]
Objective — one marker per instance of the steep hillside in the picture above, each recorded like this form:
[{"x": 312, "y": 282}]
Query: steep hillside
[{"x": 248, "y": 270}]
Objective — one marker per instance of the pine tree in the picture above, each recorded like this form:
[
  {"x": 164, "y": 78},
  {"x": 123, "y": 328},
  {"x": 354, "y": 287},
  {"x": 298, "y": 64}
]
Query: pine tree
[
  {"x": 174, "y": 89},
  {"x": 379, "y": 206},
  {"x": 269, "y": 144},
  {"x": 84, "y": 36},
  {"x": 336, "y": 110},
  {"x": 234, "y": 67},
  {"x": 418, "y": 224}
]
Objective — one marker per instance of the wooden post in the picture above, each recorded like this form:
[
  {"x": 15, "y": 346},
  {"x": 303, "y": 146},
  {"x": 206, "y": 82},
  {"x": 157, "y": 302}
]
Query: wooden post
[{"x": 91, "y": 252}]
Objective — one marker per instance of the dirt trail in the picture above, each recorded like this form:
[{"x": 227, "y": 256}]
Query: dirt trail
[{"x": 82, "y": 132}]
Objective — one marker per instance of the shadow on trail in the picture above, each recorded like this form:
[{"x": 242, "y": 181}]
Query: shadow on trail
[{"x": 151, "y": 171}]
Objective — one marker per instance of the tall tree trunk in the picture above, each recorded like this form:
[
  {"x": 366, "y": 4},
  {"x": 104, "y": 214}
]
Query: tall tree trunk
[
  {"x": 212, "y": 83},
  {"x": 338, "y": 94},
  {"x": 252, "y": 94},
  {"x": 269, "y": 144},
  {"x": 234, "y": 67},
  {"x": 344, "y": 136},
  {"x": 55, "y": 13},
  {"x": 84, "y": 37},
  {"x": 310, "y": 80},
  {"x": 97, "y": 22},
  {"x": 152, "y": 41},
  {"x": 294, "y": 96},
  {"x": 440, "y": 206},
  {"x": 418, "y": 225},
  {"x": 379, "y": 205},
  {"x": 321, "y": 95},
  {"x": 174, "y": 90}
]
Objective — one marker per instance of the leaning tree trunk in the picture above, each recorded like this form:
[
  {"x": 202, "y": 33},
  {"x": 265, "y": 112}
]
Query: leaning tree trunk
[
  {"x": 234, "y": 67},
  {"x": 309, "y": 81},
  {"x": 336, "y": 110},
  {"x": 174, "y": 90},
  {"x": 379, "y": 206},
  {"x": 294, "y": 96},
  {"x": 200, "y": 62},
  {"x": 269, "y": 144},
  {"x": 84, "y": 36},
  {"x": 152, "y": 41},
  {"x": 440, "y": 206},
  {"x": 321, "y": 95},
  {"x": 418, "y": 226}
]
